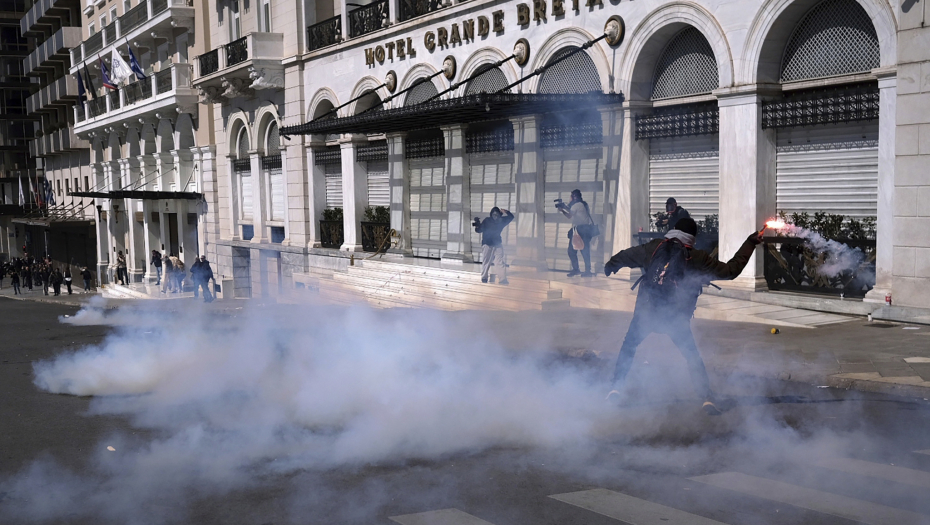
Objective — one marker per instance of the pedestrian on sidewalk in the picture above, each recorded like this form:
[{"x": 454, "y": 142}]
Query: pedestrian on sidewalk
[
  {"x": 492, "y": 246},
  {"x": 156, "y": 262},
  {"x": 56, "y": 279},
  {"x": 86, "y": 276},
  {"x": 68, "y": 279},
  {"x": 121, "y": 274},
  {"x": 673, "y": 276},
  {"x": 14, "y": 281},
  {"x": 2, "y": 274},
  {"x": 178, "y": 276},
  {"x": 583, "y": 227},
  {"x": 166, "y": 286},
  {"x": 201, "y": 273},
  {"x": 45, "y": 275},
  {"x": 27, "y": 277}
]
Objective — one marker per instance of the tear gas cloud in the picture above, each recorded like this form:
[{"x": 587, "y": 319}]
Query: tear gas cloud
[
  {"x": 839, "y": 257},
  {"x": 223, "y": 403}
]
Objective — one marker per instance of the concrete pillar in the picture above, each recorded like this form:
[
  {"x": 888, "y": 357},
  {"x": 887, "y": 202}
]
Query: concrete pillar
[
  {"x": 208, "y": 186},
  {"x": 316, "y": 192},
  {"x": 747, "y": 178},
  {"x": 259, "y": 198},
  {"x": 400, "y": 192},
  {"x": 235, "y": 207},
  {"x": 182, "y": 177},
  {"x": 148, "y": 170},
  {"x": 354, "y": 194},
  {"x": 165, "y": 164},
  {"x": 458, "y": 196},
  {"x": 632, "y": 187},
  {"x": 884, "y": 225},
  {"x": 150, "y": 240},
  {"x": 530, "y": 208}
]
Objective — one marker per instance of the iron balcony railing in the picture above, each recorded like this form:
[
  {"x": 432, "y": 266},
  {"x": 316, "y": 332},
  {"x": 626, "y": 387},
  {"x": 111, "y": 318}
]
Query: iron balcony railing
[
  {"x": 369, "y": 18},
  {"x": 325, "y": 33},
  {"x": 134, "y": 18},
  {"x": 93, "y": 44},
  {"x": 138, "y": 91},
  {"x": 109, "y": 32},
  {"x": 131, "y": 20},
  {"x": 158, "y": 6},
  {"x": 237, "y": 51},
  {"x": 209, "y": 62},
  {"x": 163, "y": 81},
  {"x": 96, "y": 107},
  {"x": 414, "y": 8},
  {"x": 113, "y": 95}
]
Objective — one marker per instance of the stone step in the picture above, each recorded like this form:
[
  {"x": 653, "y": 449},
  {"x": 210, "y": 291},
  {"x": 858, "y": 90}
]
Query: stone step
[
  {"x": 535, "y": 290},
  {"x": 467, "y": 273}
]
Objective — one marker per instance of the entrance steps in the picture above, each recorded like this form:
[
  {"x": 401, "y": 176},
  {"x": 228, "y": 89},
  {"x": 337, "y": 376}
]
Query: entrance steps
[{"x": 139, "y": 291}]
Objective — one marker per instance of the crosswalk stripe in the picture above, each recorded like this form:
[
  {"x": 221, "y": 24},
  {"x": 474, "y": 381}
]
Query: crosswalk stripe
[
  {"x": 927, "y": 452},
  {"x": 907, "y": 476},
  {"x": 811, "y": 499},
  {"x": 632, "y": 510},
  {"x": 439, "y": 517}
]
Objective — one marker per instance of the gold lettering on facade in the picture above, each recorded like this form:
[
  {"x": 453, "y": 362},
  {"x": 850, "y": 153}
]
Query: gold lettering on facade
[
  {"x": 539, "y": 10},
  {"x": 454, "y": 36},
  {"x": 410, "y": 50},
  {"x": 498, "y": 17},
  {"x": 369, "y": 57},
  {"x": 442, "y": 37},
  {"x": 390, "y": 50},
  {"x": 468, "y": 27},
  {"x": 429, "y": 41},
  {"x": 558, "y": 8},
  {"x": 400, "y": 49},
  {"x": 593, "y": 3},
  {"x": 483, "y": 26},
  {"x": 575, "y": 5},
  {"x": 379, "y": 54},
  {"x": 523, "y": 14}
]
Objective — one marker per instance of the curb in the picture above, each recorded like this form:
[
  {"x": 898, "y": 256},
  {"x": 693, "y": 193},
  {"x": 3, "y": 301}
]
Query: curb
[{"x": 838, "y": 382}]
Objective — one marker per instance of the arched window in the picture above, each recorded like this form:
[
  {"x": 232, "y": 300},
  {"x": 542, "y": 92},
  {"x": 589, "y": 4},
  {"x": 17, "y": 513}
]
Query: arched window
[
  {"x": 490, "y": 80},
  {"x": 836, "y": 37},
  {"x": 686, "y": 67},
  {"x": 421, "y": 93},
  {"x": 273, "y": 140},
  {"x": 576, "y": 74},
  {"x": 242, "y": 144}
]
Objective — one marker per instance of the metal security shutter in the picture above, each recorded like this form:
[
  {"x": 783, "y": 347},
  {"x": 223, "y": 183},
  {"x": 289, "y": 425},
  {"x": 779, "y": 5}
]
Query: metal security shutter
[
  {"x": 244, "y": 174},
  {"x": 272, "y": 168},
  {"x": 379, "y": 184},
  {"x": 688, "y": 169},
  {"x": 832, "y": 169},
  {"x": 492, "y": 184},
  {"x": 333, "y": 178},
  {"x": 429, "y": 218},
  {"x": 566, "y": 170}
]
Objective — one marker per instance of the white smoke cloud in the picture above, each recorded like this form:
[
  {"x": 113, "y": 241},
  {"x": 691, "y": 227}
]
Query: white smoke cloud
[{"x": 839, "y": 257}]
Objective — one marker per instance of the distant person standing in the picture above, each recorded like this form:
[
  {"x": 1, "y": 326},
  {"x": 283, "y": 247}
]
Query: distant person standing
[
  {"x": 56, "y": 280},
  {"x": 201, "y": 273},
  {"x": 156, "y": 262},
  {"x": 492, "y": 246},
  {"x": 582, "y": 224},
  {"x": 68, "y": 279},
  {"x": 121, "y": 274},
  {"x": 86, "y": 275},
  {"x": 14, "y": 281},
  {"x": 166, "y": 286},
  {"x": 45, "y": 274},
  {"x": 673, "y": 214}
]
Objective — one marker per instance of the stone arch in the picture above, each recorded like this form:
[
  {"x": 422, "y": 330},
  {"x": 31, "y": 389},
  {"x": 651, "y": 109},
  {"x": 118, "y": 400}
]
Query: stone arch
[
  {"x": 649, "y": 39},
  {"x": 775, "y": 22},
  {"x": 164, "y": 136},
  {"x": 133, "y": 142},
  {"x": 266, "y": 115},
  {"x": 323, "y": 100},
  {"x": 114, "y": 146},
  {"x": 484, "y": 57},
  {"x": 572, "y": 36},
  {"x": 368, "y": 83},
  {"x": 184, "y": 130},
  {"x": 147, "y": 136},
  {"x": 237, "y": 121}
]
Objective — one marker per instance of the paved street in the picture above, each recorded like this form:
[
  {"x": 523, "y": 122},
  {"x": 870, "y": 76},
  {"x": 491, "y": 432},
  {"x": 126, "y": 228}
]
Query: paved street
[{"x": 216, "y": 415}]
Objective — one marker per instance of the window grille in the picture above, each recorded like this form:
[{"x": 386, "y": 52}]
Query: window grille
[
  {"x": 835, "y": 38},
  {"x": 576, "y": 74},
  {"x": 425, "y": 144},
  {"x": 327, "y": 156},
  {"x": 822, "y": 106},
  {"x": 679, "y": 121},
  {"x": 242, "y": 165},
  {"x": 243, "y": 146},
  {"x": 568, "y": 130},
  {"x": 686, "y": 67},
  {"x": 271, "y": 163},
  {"x": 496, "y": 136},
  {"x": 274, "y": 140},
  {"x": 421, "y": 93},
  {"x": 373, "y": 151},
  {"x": 491, "y": 80}
]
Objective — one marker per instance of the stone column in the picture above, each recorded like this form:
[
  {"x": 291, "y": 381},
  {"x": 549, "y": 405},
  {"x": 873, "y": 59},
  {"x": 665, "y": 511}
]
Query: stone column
[
  {"x": 458, "y": 196},
  {"x": 150, "y": 239},
  {"x": 400, "y": 192},
  {"x": 530, "y": 185},
  {"x": 354, "y": 194},
  {"x": 164, "y": 163},
  {"x": 316, "y": 191},
  {"x": 612, "y": 122},
  {"x": 747, "y": 178},
  {"x": 134, "y": 268},
  {"x": 632, "y": 187},
  {"x": 208, "y": 186},
  {"x": 183, "y": 175},
  {"x": 235, "y": 211},
  {"x": 259, "y": 198},
  {"x": 884, "y": 225}
]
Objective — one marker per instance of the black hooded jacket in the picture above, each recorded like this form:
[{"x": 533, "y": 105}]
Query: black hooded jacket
[{"x": 491, "y": 229}]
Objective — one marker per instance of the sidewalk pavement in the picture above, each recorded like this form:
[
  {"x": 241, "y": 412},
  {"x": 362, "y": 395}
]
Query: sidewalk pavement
[{"x": 78, "y": 297}]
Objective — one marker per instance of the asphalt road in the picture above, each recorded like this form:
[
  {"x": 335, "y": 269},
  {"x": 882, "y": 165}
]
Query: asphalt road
[{"x": 785, "y": 453}]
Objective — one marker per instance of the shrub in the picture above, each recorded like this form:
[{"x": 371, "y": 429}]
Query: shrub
[
  {"x": 833, "y": 225},
  {"x": 380, "y": 214},
  {"x": 332, "y": 214}
]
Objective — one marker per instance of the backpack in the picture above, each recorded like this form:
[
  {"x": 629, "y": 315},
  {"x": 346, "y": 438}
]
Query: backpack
[{"x": 663, "y": 279}]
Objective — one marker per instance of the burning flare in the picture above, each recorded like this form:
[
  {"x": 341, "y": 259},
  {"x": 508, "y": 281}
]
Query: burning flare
[{"x": 775, "y": 224}]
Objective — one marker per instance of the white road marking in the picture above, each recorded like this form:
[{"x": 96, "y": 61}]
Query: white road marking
[
  {"x": 632, "y": 510},
  {"x": 439, "y": 517},
  {"x": 811, "y": 499},
  {"x": 918, "y": 478},
  {"x": 917, "y": 359},
  {"x": 927, "y": 452}
]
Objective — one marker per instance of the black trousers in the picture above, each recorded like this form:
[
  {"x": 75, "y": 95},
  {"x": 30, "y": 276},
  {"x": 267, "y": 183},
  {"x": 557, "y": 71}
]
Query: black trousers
[
  {"x": 585, "y": 252},
  {"x": 679, "y": 330}
]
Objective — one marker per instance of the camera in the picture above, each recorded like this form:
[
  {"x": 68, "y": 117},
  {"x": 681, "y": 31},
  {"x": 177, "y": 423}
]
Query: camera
[
  {"x": 559, "y": 204},
  {"x": 476, "y": 222}
]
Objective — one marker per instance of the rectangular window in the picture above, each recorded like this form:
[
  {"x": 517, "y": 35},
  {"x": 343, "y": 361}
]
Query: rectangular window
[
  {"x": 58, "y": 184},
  {"x": 235, "y": 31},
  {"x": 248, "y": 231},
  {"x": 103, "y": 21},
  {"x": 127, "y": 5},
  {"x": 67, "y": 186},
  {"x": 277, "y": 234},
  {"x": 76, "y": 187},
  {"x": 91, "y": 30},
  {"x": 266, "y": 16},
  {"x": 86, "y": 184},
  {"x": 113, "y": 15}
]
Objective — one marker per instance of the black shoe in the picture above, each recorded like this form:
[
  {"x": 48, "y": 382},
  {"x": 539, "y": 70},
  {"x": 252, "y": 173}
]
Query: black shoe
[
  {"x": 485, "y": 281},
  {"x": 711, "y": 409},
  {"x": 587, "y": 274},
  {"x": 574, "y": 273}
]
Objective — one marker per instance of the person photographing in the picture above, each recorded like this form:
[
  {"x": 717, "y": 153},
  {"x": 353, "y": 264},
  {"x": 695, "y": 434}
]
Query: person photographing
[
  {"x": 673, "y": 214},
  {"x": 583, "y": 230},
  {"x": 492, "y": 246}
]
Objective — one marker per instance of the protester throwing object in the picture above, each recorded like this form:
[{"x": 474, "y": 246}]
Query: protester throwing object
[{"x": 673, "y": 276}]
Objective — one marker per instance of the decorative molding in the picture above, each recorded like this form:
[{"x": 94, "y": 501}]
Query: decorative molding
[
  {"x": 264, "y": 79},
  {"x": 236, "y": 87},
  {"x": 211, "y": 95}
]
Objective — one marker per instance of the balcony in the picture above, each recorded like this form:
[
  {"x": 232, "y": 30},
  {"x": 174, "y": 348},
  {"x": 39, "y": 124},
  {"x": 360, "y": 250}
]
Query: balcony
[
  {"x": 240, "y": 67},
  {"x": 61, "y": 92},
  {"x": 53, "y": 50},
  {"x": 56, "y": 142},
  {"x": 413, "y": 8},
  {"x": 43, "y": 13},
  {"x": 165, "y": 91},
  {"x": 147, "y": 21},
  {"x": 326, "y": 33},
  {"x": 369, "y": 18}
]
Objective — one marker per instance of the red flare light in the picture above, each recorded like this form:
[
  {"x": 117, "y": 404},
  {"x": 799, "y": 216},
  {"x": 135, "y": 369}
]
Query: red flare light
[{"x": 775, "y": 224}]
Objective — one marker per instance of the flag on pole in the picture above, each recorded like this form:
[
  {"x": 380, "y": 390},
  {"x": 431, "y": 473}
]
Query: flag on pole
[
  {"x": 49, "y": 192},
  {"x": 134, "y": 64},
  {"x": 106, "y": 76},
  {"x": 121, "y": 71},
  {"x": 32, "y": 193},
  {"x": 90, "y": 83},
  {"x": 82, "y": 93},
  {"x": 22, "y": 199}
]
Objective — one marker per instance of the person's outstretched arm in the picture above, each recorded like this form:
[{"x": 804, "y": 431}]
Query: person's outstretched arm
[
  {"x": 634, "y": 257},
  {"x": 732, "y": 268}
]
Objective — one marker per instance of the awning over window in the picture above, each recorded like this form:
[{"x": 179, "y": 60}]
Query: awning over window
[{"x": 462, "y": 110}]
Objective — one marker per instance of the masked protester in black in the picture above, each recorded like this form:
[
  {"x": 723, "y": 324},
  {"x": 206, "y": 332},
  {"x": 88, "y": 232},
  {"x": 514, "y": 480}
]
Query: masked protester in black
[
  {"x": 672, "y": 315},
  {"x": 673, "y": 214},
  {"x": 492, "y": 246}
]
